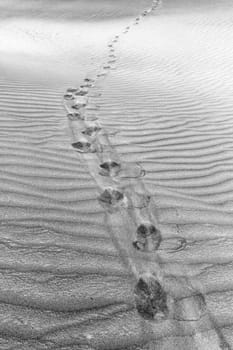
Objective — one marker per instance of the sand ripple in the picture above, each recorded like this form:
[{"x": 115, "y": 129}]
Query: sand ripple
[{"x": 68, "y": 266}]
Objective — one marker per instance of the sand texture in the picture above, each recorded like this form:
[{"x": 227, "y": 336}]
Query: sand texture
[{"x": 116, "y": 175}]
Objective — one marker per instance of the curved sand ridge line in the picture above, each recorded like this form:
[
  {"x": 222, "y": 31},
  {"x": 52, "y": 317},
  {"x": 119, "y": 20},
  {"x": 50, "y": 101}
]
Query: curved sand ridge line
[
  {"x": 56, "y": 259},
  {"x": 134, "y": 227}
]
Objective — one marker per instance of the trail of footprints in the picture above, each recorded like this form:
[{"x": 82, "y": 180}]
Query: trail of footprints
[{"x": 157, "y": 296}]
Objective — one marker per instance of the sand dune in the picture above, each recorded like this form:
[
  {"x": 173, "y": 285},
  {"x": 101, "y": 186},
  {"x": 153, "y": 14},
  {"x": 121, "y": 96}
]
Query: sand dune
[{"x": 161, "y": 106}]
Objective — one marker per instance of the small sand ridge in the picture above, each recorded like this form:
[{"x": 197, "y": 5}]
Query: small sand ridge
[{"x": 134, "y": 228}]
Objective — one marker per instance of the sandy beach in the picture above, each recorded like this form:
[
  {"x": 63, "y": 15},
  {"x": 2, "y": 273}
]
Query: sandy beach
[{"x": 116, "y": 175}]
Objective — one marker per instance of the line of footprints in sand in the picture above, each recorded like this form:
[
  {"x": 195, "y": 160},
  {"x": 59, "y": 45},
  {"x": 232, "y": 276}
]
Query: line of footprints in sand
[{"x": 156, "y": 296}]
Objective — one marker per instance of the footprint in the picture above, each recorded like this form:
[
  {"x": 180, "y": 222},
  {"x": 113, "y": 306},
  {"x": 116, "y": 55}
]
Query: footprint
[
  {"x": 187, "y": 303},
  {"x": 87, "y": 85},
  {"x": 109, "y": 132},
  {"x": 95, "y": 94},
  {"x": 190, "y": 308},
  {"x": 109, "y": 168},
  {"x": 84, "y": 147},
  {"x": 131, "y": 171},
  {"x": 80, "y": 102},
  {"x": 148, "y": 238},
  {"x": 124, "y": 170},
  {"x": 72, "y": 90},
  {"x": 111, "y": 197},
  {"x": 91, "y": 118},
  {"x": 112, "y": 61},
  {"x": 137, "y": 200},
  {"x": 75, "y": 116},
  {"x": 89, "y": 80},
  {"x": 150, "y": 298},
  {"x": 91, "y": 130},
  {"x": 173, "y": 244},
  {"x": 82, "y": 92},
  {"x": 69, "y": 96},
  {"x": 101, "y": 74},
  {"x": 137, "y": 20}
]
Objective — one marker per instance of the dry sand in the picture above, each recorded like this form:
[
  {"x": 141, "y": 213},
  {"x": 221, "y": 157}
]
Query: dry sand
[{"x": 68, "y": 265}]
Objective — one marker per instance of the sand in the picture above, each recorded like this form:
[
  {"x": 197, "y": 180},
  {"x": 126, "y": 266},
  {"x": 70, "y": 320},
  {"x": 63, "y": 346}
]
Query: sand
[{"x": 161, "y": 103}]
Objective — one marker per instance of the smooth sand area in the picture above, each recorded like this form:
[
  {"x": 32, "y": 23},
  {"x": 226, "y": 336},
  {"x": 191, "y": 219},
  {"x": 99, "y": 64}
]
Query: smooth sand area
[{"x": 67, "y": 263}]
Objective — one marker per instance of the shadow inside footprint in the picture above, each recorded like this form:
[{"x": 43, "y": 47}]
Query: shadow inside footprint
[
  {"x": 75, "y": 116},
  {"x": 109, "y": 168},
  {"x": 84, "y": 147},
  {"x": 89, "y": 80},
  {"x": 72, "y": 90},
  {"x": 101, "y": 74},
  {"x": 150, "y": 298},
  {"x": 123, "y": 170},
  {"x": 82, "y": 92},
  {"x": 90, "y": 131},
  {"x": 148, "y": 238},
  {"x": 69, "y": 96},
  {"x": 79, "y": 102},
  {"x": 111, "y": 197}
]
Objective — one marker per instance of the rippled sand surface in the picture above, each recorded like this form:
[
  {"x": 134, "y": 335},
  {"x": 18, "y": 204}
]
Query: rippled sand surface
[{"x": 68, "y": 267}]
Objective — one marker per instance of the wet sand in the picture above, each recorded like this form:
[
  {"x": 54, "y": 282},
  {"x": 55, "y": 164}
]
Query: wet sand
[{"x": 121, "y": 192}]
